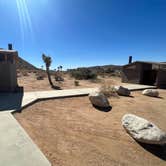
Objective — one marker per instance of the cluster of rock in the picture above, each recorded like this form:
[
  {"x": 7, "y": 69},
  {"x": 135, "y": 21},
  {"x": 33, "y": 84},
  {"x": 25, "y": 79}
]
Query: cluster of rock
[
  {"x": 100, "y": 100},
  {"x": 138, "y": 128}
]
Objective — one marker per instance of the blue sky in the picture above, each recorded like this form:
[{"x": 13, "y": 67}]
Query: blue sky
[{"x": 85, "y": 32}]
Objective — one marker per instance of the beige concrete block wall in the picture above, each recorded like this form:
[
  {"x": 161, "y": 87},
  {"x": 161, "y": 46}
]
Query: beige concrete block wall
[{"x": 8, "y": 76}]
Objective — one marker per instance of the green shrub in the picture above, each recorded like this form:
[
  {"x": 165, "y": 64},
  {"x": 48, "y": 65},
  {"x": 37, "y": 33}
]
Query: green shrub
[{"x": 83, "y": 74}]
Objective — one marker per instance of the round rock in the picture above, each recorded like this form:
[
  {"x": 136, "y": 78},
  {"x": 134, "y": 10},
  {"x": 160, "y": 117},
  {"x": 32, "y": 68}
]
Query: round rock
[
  {"x": 142, "y": 130},
  {"x": 99, "y": 99},
  {"x": 151, "y": 92},
  {"x": 122, "y": 91}
]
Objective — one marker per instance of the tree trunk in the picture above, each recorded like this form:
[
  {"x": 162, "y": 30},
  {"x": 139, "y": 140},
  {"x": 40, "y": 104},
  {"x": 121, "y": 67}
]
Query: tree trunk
[{"x": 49, "y": 77}]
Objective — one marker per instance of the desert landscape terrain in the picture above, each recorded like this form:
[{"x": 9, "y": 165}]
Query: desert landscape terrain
[
  {"x": 71, "y": 132},
  {"x": 30, "y": 83}
]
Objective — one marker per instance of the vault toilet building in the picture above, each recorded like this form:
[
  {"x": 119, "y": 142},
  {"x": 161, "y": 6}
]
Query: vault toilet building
[{"x": 8, "y": 74}]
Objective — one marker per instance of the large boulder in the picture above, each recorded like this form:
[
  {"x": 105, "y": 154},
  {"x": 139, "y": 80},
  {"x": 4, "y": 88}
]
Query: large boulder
[
  {"x": 122, "y": 91},
  {"x": 99, "y": 99},
  {"x": 142, "y": 130},
  {"x": 151, "y": 92}
]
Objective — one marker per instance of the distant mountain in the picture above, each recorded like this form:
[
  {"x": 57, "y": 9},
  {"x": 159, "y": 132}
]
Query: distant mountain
[{"x": 24, "y": 65}]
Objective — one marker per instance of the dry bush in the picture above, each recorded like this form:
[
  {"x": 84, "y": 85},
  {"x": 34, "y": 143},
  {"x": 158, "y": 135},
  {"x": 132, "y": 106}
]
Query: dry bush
[
  {"x": 97, "y": 80},
  {"x": 58, "y": 76},
  {"x": 76, "y": 83},
  {"x": 108, "y": 90},
  {"x": 40, "y": 75},
  {"x": 83, "y": 74},
  {"x": 25, "y": 73}
]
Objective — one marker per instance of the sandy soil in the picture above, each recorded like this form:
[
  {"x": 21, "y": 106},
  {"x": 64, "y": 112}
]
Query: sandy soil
[
  {"x": 71, "y": 132},
  {"x": 30, "y": 83}
]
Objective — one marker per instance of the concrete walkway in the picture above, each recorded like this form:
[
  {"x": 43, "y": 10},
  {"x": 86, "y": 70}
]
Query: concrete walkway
[
  {"x": 10, "y": 102},
  {"x": 135, "y": 87},
  {"x": 17, "y": 148}
]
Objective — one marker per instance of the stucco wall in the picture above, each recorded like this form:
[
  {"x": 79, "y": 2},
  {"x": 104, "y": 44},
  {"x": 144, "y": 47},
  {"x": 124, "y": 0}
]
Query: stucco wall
[
  {"x": 161, "y": 79},
  {"x": 8, "y": 76},
  {"x": 131, "y": 74}
]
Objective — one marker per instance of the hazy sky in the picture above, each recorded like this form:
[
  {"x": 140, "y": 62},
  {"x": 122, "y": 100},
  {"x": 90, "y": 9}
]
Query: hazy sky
[{"x": 85, "y": 32}]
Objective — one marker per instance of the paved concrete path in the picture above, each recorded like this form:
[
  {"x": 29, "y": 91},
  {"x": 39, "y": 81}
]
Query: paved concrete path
[
  {"x": 15, "y": 101},
  {"x": 16, "y": 147},
  {"x": 135, "y": 87}
]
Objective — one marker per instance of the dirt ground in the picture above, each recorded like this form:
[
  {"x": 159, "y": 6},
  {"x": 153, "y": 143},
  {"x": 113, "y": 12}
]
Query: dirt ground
[
  {"x": 30, "y": 83},
  {"x": 71, "y": 132}
]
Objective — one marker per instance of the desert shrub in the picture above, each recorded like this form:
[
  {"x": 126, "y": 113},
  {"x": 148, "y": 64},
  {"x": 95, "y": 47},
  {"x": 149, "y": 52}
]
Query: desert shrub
[
  {"x": 25, "y": 73},
  {"x": 58, "y": 76},
  {"x": 34, "y": 71},
  {"x": 97, "y": 80},
  {"x": 83, "y": 74},
  {"x": 40, "y": 77},
  {"x": 109, "y": 70},
  {"x": 76, "y": 83},
  {"x": 108, "y": 90}
]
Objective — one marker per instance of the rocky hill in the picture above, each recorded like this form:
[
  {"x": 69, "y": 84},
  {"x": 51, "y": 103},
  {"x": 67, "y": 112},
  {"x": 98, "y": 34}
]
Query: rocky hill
[{"x": 24, "y": 65}]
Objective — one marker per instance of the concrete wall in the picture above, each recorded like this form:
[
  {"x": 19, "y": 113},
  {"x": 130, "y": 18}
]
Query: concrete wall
[
  {"x": 131, "y": 74},
  {"x": 8, "y": 77},
  {"x": 161, "y": 79}
]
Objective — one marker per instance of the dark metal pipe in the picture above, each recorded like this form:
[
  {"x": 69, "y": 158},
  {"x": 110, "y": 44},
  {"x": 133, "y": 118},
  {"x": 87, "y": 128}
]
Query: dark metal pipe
[
  {"x": 130, "y": 59},
  {"x": 10, "y": 47}
]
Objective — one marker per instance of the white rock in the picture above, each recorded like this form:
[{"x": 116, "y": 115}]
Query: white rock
[
  {"x": 122, "y": 91},
  {"x": 151, "y": 92},
  {"x": 142, "y": 130},
  {"x": 99, "y": 99}
]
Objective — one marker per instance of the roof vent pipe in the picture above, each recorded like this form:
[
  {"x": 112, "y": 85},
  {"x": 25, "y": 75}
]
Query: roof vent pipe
[
  {"x": 10, "y": 47},
  {"x": 130, "y": 59}
]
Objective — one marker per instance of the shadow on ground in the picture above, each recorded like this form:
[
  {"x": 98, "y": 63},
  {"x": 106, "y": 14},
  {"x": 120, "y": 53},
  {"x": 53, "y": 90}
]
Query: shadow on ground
[
  {"x": 157, "y": 150},
  {"x": 11, "y": 101},
  {"x": 103, "y": 109},
  {"x": 56, "y": 87}
]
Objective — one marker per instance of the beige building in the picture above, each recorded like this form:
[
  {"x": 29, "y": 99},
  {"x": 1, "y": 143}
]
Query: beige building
[
  {"x": 147, "y": 73},
  {"x": 8, "y": 74}
]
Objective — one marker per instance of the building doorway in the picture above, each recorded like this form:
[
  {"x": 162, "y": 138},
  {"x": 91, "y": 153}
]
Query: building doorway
[{"x": 149, "y": 77}]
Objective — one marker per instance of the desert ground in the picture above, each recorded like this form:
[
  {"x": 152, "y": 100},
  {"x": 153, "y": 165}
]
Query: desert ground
[
  {"x": 71, "y": 132},
  {"x": 30, "y": 83}
]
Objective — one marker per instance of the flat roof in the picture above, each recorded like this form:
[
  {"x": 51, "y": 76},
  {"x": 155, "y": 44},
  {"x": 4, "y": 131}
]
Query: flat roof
[
  {"x": 7, "y": 51},
  {"x": 146, "y": 62}
]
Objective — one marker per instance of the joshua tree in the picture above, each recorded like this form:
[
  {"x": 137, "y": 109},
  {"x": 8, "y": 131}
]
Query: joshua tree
[
  {"x": 60, "y": 67},
  {"x": 47, "y": 60}
]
